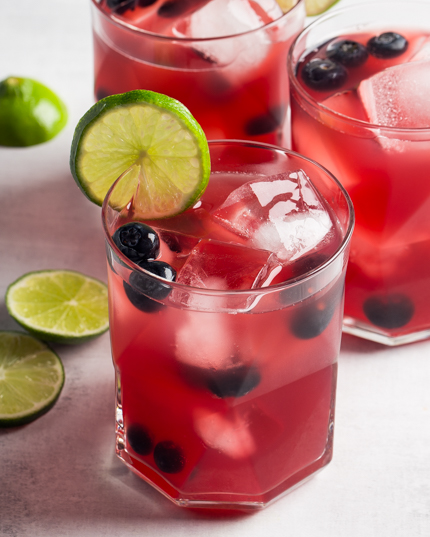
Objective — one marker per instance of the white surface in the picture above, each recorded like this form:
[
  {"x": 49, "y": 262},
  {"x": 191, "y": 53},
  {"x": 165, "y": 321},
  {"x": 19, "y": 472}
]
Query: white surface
[{"x": 59, "y": 475}]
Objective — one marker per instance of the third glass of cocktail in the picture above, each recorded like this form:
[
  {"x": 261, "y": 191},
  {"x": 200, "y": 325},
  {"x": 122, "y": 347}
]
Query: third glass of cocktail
[
  {"x": 359, "y": 81},
  {"x": 224, "y": 59}
]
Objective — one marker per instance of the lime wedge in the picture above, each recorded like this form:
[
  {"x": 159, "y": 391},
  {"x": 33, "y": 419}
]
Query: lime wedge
[
  {"x": 59, "y": 305},
  {"x": 31, "y": 378},
  {"x": 151, "y": 136},
  {"x": 316, "y": 7},
  {"x": 30, "y": 113}
]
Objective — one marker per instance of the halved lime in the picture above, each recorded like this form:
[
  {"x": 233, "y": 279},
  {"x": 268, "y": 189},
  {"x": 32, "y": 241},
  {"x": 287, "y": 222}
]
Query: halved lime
[
  {"x": 31, "y": 378},
  {"x": 30, "y": 112},
  {"x": 153, "y": 136},
  {"x": 59, "y": 305}
]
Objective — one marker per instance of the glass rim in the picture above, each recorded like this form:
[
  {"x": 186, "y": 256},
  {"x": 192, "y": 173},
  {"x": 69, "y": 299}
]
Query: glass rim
[
  {"x": 328, "y": 111},
  {"x": 236, "y": 292},
  {"x": 140, "y": 31}
]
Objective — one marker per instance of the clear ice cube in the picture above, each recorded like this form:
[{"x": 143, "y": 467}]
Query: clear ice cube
[
  {"x": 283, "y": 214},
  {"x": 225, "y": 266},
  {"x": 221, "y": 18},
  {"x": 398, "y": 96},
  {"x": 229, "y": 435}
]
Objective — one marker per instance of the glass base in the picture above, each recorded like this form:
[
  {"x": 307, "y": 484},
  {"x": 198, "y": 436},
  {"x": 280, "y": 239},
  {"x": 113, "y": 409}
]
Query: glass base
[
  {"x": 218, "y": 500},
  {"x": 221, "y": 501},
  {"x": 357, "y": 328}
]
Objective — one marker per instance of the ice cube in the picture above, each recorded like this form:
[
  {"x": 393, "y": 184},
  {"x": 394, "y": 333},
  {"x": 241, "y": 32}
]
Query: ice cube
[
  {"x": 231, "y": 435},
  {"x": 225, "y": 266},
  {"x": 221, "y": 18},
  {"x": 204, "y": 340},
  {"x": 398, "y": 96},
  {"x": 282, "y": 213}
]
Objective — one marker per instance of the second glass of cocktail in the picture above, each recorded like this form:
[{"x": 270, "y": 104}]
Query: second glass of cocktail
[
  {"x": 224, "y": 59},
  {"x": 360, "y": 107},
  {"x": 225, "y": 342}
]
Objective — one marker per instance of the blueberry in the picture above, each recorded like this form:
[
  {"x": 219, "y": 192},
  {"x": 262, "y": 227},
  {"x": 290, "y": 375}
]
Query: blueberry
[
  {"x": 312, "y": 317},
  {"x": 233, "y": 382},
  {"x": 347, "y": 52},
  {"x": 137, "y": 241},
  {"x": 169, "y": 457},
  {"x": 144, "y": 291},
  {"x": 323, "y": 74},
  {"x": 308, "y": 263},
  {"x": 392, "y": 311},
  {"x": 120, "y": 6},
  {"x": 101, "y": 93},
  {"x": 387, "y": 45},
  {"x": 296, "y": 293},
  {"x": 265, "y": 123},
  {"x": 173, "y": 8},
  {"x": 139, "y": 439}
]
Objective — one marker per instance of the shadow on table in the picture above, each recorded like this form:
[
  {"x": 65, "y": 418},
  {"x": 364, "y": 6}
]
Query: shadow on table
[{"x": 50, "y": 225}]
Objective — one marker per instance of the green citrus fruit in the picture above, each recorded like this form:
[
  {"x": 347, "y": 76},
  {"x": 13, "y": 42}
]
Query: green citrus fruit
[
  {"x": 316, "y": 7},
  {"x": 151, "y": 136},
  {"x": 30, "y": 113},
  {"x": 59, "y": 305},
  {"x": 31, "y": 378}
]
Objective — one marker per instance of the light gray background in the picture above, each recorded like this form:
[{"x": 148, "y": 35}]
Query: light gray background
[{"x": 59, "y": 475}]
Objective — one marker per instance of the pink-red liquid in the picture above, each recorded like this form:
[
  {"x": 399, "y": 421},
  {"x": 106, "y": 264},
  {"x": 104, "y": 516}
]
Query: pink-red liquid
[
  {"x": 222, "y": 406},
  {"x": 236, "y": 95},
  {"x": 386, "y": 175}
]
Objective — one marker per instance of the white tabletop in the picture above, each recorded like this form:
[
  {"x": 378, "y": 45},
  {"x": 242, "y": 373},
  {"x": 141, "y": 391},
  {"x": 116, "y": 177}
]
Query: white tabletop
[{"x": 59, "y": 475}]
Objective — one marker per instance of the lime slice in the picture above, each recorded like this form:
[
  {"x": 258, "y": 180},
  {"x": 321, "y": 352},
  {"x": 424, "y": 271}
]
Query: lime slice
[
  {"x": 31, "y": 378},
  {"x": 59, "y": 305},
  {"x": 316, "y": 7},
  {"x": 30, "y": 113},
  {"x": 153, "y": 137}
]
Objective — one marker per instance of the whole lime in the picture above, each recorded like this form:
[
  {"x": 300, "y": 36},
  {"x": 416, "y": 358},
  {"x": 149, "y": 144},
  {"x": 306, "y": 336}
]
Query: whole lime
[{"x": 30, "y": 113}]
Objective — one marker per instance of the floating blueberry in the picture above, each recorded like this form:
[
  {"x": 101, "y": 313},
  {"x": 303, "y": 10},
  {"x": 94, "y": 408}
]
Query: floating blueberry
[
  {"x": 101, "y": 94},
  {"x": 298, "y": 292},
  {"x": 392, "y": 311},
  {"x": 169, "y": 457},
  {"x": 323, "y": 74},
  {"x": 137, "y": 241},
  {"x": 347, "y": 52},
  {"x": 120, "y": 6},
  {"x": 144, "y": 291},
  {"x": 387, "y": 45},
  {"x": 139, "y": 439},
  {"x": 233, "y": 382},
  {"x": 313, "y": 316},
  {"x": 265, "y": 123},
  {"x": 173, "y": 8}
]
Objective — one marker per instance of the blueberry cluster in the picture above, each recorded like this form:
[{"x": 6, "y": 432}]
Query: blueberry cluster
[
  {"x": 141, "y": 244},
  {"x": 331, "y": 72},
  {"x": 168, "y": 456}
]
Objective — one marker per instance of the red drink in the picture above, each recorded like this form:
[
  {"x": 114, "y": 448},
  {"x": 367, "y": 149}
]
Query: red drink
[
  {"x": 372, "y": 130},
  {"x": 226, "y": 379},
  {"x": 236, "y": 85}
]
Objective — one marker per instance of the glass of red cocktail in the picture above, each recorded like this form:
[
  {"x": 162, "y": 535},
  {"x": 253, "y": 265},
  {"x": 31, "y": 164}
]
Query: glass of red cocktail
[
  {"x": 225, "y": 60},
  {"x": 226, "y": 363},
  {"x": 358, "y": 79}
]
